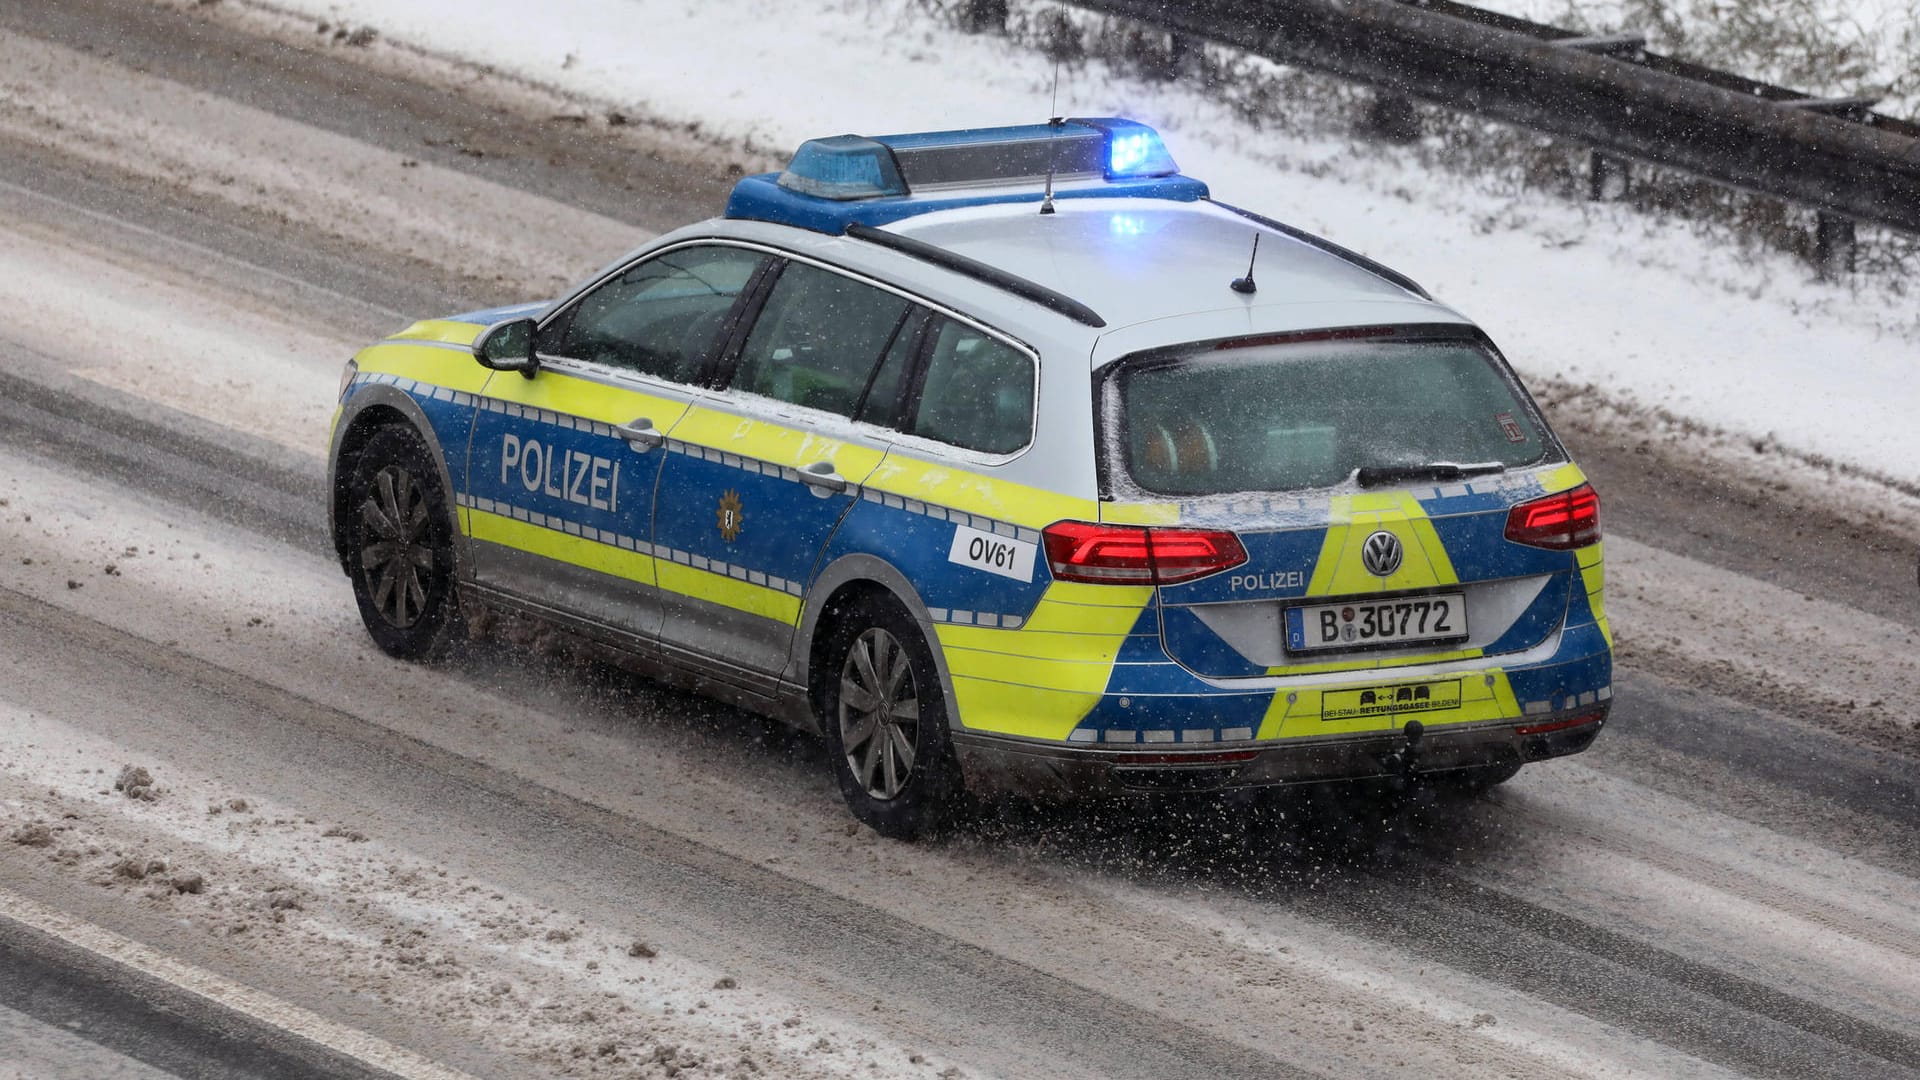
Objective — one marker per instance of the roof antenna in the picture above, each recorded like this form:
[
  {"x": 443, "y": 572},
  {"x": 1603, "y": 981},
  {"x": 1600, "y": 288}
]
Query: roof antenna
[
  {"x": 1055, "y": 122},
  {"x": 1245, "y": 285}
]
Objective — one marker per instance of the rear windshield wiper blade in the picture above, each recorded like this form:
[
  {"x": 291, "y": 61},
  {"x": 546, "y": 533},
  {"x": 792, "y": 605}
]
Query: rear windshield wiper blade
[{"x": 1376, "y": 475}]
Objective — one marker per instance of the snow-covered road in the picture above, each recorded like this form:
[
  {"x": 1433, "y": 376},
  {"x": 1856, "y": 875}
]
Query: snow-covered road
[{"x": 522, "y": 864}]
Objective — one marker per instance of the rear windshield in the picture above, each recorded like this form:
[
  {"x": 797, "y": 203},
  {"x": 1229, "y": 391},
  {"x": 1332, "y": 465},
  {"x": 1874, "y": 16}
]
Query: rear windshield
[{"x": 1309, "y": 414}]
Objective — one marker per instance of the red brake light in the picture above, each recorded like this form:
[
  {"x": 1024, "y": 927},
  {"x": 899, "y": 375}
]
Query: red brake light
[
  {"x": 1570, "y": 519},
  {"x": 1130, "y": 555}
]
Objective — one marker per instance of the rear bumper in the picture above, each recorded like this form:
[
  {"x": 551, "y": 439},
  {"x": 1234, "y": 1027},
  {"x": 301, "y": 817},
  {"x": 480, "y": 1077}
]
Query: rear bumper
[{"x": 1052, "y": 770}]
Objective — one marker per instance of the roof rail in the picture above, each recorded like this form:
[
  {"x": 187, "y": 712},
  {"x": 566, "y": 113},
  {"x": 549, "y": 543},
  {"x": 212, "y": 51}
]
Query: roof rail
[
  {"x": 979, "y": 271},
  {"x": 1331, "y": 248}
]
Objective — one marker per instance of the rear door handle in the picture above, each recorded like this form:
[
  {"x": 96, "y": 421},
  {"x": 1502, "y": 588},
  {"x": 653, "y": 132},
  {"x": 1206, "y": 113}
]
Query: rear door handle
[
  {"x": 641, "y": 435},
  {"x": 823, "y": 478}
]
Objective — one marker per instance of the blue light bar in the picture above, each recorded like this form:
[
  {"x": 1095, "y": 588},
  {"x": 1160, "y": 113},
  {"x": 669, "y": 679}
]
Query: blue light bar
[{"x": 835, "y": 181}]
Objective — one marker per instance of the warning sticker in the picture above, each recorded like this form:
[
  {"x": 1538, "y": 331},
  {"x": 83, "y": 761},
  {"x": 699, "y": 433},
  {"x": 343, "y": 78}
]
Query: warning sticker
[
  {"x": 1390, "y": 700},
  {"x": 1510, "y": 427}
]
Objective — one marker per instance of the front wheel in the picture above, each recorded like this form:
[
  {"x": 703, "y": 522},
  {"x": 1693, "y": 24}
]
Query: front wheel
[
  {"x": 886, "y": 723},
  {"x": 399, "y": 530}
]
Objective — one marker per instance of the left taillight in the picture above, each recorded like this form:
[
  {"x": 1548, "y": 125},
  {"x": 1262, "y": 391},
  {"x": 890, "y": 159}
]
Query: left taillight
[
  {"x": 1132, "y": 555},
  {"x": 346, "y": 377},
  {"x": 1561, "y": 522}
]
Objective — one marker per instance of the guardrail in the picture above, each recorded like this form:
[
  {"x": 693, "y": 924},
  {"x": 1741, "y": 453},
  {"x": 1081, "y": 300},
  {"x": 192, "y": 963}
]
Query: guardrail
[{"x": 1835, "y": 155}]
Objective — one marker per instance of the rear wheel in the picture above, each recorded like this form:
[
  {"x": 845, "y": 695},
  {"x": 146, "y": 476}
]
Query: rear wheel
[
  {"x": 885, "y": 720},
  {"x": 399, "y": 531}
]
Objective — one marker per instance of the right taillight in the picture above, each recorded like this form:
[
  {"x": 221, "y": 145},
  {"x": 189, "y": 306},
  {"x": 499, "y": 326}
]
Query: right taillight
[
  {"x": 1131, "y": 555},
  {"x": 1570, "y": 519}
]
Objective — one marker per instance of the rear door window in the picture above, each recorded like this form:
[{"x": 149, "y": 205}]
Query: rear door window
[
  {"x": 1309, "y": 414},
  {"x": 819, "y": 339}
]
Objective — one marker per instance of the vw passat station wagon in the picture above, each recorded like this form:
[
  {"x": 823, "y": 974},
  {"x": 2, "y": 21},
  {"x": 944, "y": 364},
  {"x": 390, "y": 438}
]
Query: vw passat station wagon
[{"x": 1003, "y": 459}]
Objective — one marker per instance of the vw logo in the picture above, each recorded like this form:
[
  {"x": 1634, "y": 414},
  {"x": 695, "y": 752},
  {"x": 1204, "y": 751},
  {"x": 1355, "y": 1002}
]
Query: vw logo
[{"x": 1381, "y": 554}]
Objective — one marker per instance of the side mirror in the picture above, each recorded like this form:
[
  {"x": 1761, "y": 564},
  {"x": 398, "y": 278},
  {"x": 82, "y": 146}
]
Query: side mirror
[{"x": 507, "y": 346}]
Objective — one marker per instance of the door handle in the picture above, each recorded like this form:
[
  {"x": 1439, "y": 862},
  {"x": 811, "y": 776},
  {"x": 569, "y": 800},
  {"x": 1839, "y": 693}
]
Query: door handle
[
  {"x": 641, "y": 435},
  {"x": 823, "y": 478}
]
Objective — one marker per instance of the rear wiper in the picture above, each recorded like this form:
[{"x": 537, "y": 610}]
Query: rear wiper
[{"x": 1375, "y": 475}]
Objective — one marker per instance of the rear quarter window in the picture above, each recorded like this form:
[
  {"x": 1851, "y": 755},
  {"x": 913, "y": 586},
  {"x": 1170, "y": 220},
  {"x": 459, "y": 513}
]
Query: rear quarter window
[{"x": 978, "y": 393}]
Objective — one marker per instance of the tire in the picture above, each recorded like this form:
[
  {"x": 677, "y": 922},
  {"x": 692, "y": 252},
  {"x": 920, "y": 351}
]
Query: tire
[
  {"x": 895, "y": 764},
  {"x": 399, "y": 532}
]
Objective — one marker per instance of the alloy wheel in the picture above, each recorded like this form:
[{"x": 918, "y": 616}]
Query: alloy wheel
[
  {"x": 879, "y": 713},
  {"x": 399, "y": 550}
]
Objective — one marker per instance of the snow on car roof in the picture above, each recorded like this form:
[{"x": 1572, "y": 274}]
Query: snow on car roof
[{"x": 1137, "y": 260}]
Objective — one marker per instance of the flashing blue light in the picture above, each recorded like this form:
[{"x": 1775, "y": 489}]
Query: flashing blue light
[
  {"x": 1133, "y": 149},
  {"x": 1126, "y": 225},
  {"x": 1128, "y": 152}
]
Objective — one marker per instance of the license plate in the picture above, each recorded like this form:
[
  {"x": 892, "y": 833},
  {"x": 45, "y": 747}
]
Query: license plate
[{"x": 1360, "y": 624}]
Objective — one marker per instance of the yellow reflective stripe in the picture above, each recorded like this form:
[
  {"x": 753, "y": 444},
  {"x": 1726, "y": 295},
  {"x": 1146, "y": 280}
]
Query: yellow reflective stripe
[
  {"x": 730, "y": 592},
  {"x": 450, "y": 368},
  {"x": 1041, "y": 680},
  {"x": 560, "y": 546},
  {"x": 1086, "y": 673},
  {"x": 1561, "y": 478},
  {"x": 765, "y": 440},
  {"x": 1478, "y": 701},
  {"x": 1006, "y": 709},
  {"x": 559, "y": 392},
  {"x": 1593, "y": 575},
  {"x": 1023, "y": 642},
  {"x": 1339, "y": 570},
  {"x": 447, "y": 330},
  {"x": 632, "y": 565},
  {"x": 977, "y": 493},
  {"x": 1141, "y": 513},
  {"x": 1070, "y": 596}
]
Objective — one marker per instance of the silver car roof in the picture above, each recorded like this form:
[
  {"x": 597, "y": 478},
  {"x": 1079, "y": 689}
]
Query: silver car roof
[{"x": 1156, "y": 271}]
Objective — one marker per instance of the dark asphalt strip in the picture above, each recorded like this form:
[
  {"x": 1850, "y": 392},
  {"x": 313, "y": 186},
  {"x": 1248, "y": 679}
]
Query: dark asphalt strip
[
  {"x": 1704, "y": 734},
  {"x": 787, "y": 925},
  {"x": 318, "y": 278},
  {"x": 148, "y": 1020},
  {"x": 1586, "y": 968},
  {"x": 571, "y": 160},
  {"x": 225, "y": 474}
]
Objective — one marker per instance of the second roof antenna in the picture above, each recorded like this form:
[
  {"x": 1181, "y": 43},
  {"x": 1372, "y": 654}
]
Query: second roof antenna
[{"x": 1245, "y": 284}]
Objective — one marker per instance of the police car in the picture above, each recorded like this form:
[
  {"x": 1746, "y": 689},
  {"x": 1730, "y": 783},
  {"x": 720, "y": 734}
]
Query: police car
[{"x": 1003, "y": 459}]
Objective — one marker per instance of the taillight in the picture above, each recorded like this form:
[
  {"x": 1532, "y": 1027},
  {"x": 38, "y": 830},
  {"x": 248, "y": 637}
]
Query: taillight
[
  {"x": 1130, "y": 555},
  {"x": 1561, "y": 522}
]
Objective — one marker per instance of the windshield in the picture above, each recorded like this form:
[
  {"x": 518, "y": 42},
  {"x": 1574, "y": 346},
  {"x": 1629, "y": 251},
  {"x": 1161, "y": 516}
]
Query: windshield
[{"x": 1311, "y": 414}]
